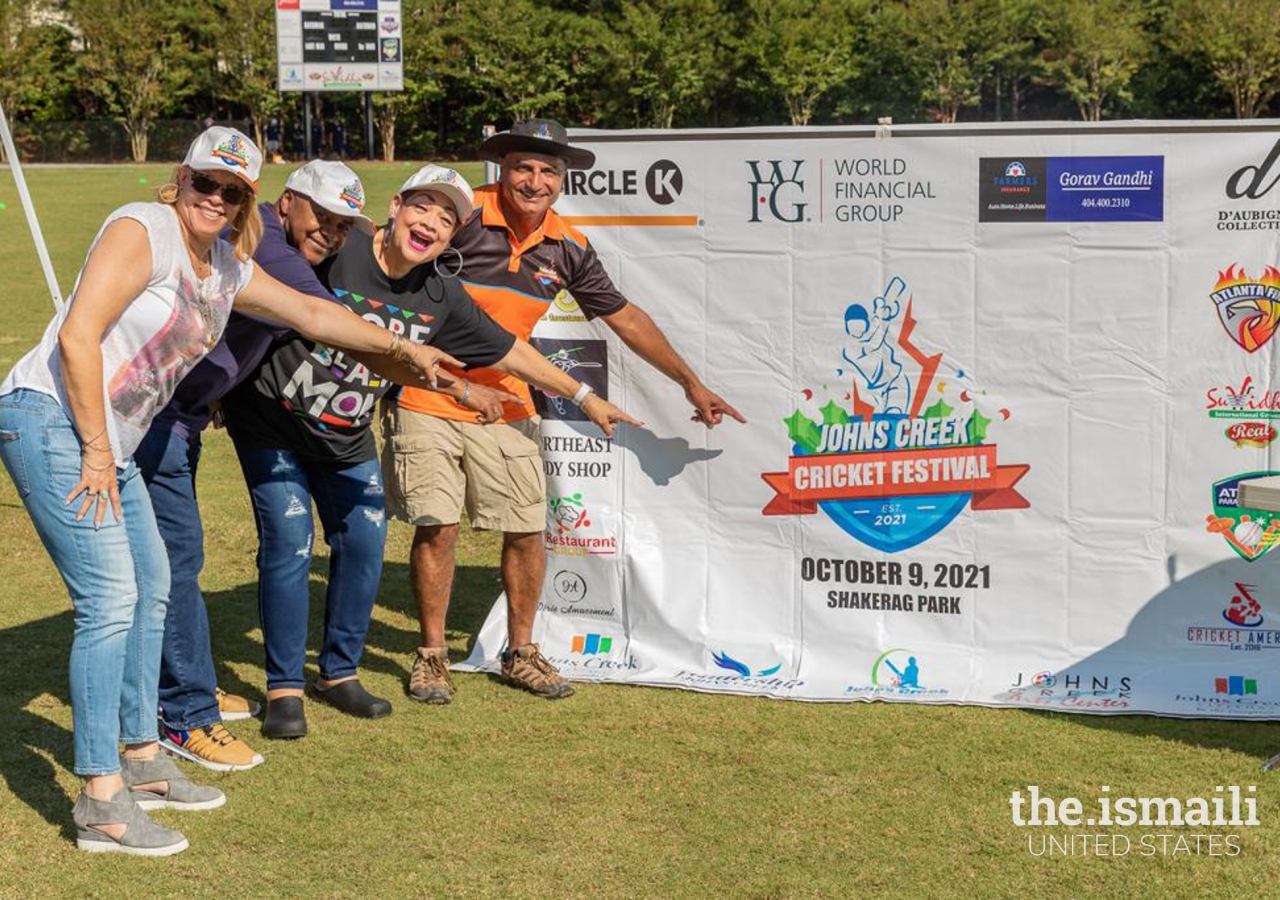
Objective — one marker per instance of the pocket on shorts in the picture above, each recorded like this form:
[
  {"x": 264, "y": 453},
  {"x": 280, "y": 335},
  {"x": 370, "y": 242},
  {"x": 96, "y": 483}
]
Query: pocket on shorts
[
  {"x": 15, "y": 461},
  {"x": 526, "y": 482}
]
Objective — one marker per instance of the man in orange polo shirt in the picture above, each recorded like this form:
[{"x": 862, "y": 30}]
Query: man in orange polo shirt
[{"x": 517, "y": 256}]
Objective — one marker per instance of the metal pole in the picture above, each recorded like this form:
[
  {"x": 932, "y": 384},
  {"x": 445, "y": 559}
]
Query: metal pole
[
  {"x": 306, "y": 125},
  {"x": 368, "y": 125},
  {"x": 15, "y": 166},
  {"x": 490, "y": 168}
]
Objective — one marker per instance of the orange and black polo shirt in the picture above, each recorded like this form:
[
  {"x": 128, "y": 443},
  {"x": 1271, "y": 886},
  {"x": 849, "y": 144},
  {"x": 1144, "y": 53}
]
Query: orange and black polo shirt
[{"x": 515, "y": 283}]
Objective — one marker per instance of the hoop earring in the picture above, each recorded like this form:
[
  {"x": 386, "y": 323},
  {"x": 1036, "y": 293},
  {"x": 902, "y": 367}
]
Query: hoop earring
[{"x": 446, "y": 274}]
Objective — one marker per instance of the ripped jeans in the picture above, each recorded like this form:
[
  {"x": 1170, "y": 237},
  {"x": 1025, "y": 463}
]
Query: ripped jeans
[{"x": 349, "y": 499}]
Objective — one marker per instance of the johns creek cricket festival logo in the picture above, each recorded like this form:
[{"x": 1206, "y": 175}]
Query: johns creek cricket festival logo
[{"x": 903, "y": 443}]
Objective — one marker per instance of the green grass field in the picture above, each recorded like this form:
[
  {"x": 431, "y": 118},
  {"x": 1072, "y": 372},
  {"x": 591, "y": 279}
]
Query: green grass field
[{"x": 619, "y": 792}]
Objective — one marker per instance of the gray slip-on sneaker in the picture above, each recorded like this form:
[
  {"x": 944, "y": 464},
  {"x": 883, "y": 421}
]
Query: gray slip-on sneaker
[
  {"x": 183, "y": 793},
  {"x": 141, "y": 837}
]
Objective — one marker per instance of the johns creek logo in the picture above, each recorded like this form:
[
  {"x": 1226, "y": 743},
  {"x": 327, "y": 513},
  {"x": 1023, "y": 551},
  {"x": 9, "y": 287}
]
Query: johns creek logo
[
  {"x": 1235, "y": 686},
  {"x": 1251, "y": 532},
  {"x": 725, "y": 661},
  {"x": 591, "y": 644},
  {"x": 353, "y": 195},
  {"x": 901, "y": 446},
  {"x": 1248, "y": 308},
  {"x": 233, "y": 151}
]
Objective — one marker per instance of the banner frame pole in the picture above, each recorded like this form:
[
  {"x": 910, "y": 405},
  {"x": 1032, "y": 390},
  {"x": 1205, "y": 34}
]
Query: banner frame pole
[{"x": 15, "y": 166}]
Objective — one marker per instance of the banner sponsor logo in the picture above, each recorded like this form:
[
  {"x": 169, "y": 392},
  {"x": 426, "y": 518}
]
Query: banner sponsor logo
[
  {"x": 888, "y": 469},
  {"x": 1244, "y": 631},
  {"x": 1250, "y": 434},
  {"x": 570, "y": 455},
  {"x": 896, "y": 672},
  {"x": 1071, "y": 189},
  {"x": 591, "y": 644},
  {"x": 1251, "y": 182},
  {"x": 564, "y": 308},
  {"x": 1233, "y": 695},
  {"x": 587, "y": 360},
  {"x": 662, "y": 183},
  {"x": 777, "y": 190},
  {"x": 735, "y": 675},
  {"x": 1242, "y": 401},
  {"x": 1235, "y": 686},
  {"x": 1248, "y": 308},
  {"x": 1251, "y": 534},
  {"x": 1072, "y": 689},
  {"x": 570, "y": 530},
  {"x": 569, "y": 596}
]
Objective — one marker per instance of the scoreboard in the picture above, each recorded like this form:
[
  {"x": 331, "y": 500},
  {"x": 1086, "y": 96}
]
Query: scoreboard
[{"x": 340, "y": 45}]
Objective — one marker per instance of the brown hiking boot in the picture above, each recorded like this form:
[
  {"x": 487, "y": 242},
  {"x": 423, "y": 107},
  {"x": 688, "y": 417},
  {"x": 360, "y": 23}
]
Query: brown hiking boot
[
  {"x": 526, "y": 667},
  {"x": 430, "y": 682}
]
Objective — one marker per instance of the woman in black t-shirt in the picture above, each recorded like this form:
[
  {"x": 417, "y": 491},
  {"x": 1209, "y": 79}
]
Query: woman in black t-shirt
[{"x": 301, "y": 430}]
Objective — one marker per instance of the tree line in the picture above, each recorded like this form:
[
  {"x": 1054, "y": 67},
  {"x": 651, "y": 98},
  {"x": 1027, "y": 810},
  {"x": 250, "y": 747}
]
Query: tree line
[{"x": 658, "y": 63}]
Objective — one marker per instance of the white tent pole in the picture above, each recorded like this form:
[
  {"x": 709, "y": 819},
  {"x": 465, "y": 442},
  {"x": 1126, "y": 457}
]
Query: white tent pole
[{"x": 41, "y": 250}]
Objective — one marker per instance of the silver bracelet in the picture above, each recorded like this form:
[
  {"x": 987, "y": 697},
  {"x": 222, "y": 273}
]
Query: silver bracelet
[
  {"x": 466, "y": 391},
  {"x": 584, "y": 391}
]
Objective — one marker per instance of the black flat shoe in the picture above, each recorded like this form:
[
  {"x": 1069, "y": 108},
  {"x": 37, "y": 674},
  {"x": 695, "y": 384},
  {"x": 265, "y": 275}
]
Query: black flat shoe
[
  {"x": 351, "y": 698},
  {"x": 284, "y": 719}
]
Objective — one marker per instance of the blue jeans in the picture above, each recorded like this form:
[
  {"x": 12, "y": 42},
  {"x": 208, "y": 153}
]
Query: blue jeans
[
  {"x": 350, "y": 502},
  {"x": 118, "y": 578},
  {"x": 168, "y": 462}
]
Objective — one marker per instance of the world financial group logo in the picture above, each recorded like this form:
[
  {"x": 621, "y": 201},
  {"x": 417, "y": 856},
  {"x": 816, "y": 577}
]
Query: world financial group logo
[{"x": 777, "y": 190}]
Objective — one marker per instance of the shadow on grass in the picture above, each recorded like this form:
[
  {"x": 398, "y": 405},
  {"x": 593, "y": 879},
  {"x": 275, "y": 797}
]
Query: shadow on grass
[{"x": 34, "y": 747}]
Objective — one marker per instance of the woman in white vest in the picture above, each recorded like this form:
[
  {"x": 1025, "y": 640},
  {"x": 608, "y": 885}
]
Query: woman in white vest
[{"x": 151, "y": 300}]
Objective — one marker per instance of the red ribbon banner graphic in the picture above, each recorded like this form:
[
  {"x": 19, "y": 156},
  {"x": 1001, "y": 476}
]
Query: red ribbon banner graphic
[{"x": 896, "y": 473}]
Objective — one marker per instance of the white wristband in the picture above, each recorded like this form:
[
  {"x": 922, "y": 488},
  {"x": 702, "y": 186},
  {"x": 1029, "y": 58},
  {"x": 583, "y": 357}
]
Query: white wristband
[{"x": 584, "y": 391}]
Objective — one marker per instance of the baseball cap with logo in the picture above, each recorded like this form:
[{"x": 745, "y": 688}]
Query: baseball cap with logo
[
  {"x": 330, "y": 185},
  {"x": 444, "y": 181},
  {"x": 222, "y": 149}
]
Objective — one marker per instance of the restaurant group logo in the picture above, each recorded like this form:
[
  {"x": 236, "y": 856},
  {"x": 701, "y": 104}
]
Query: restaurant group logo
[
  {"x": 571, "y": 530},
  {"x": 1248, "y": 308},
  {"x": 901, "y": 445}
]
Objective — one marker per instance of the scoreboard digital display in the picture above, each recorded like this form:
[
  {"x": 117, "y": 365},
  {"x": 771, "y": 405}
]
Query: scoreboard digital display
[{"x": 340, "y": 45}]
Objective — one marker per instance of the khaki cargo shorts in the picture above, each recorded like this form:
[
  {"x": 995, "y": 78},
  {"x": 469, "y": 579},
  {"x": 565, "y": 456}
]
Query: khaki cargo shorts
[{"x": 433, "y": 467}]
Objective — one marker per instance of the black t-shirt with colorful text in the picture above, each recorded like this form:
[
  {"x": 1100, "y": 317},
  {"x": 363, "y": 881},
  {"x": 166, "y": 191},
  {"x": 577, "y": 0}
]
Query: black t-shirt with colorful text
[{"x": 318, "y": 402}]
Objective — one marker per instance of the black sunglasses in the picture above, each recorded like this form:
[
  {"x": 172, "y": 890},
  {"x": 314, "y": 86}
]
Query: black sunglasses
[{"x": 231, "y": 193}]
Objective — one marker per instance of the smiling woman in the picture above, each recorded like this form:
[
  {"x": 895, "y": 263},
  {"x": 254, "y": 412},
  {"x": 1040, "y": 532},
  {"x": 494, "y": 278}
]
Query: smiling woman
[{"x": 152, "y": 300}]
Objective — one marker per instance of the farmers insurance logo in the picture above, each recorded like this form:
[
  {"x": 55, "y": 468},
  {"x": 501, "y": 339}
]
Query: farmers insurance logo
[
  {"x": 587, "y": 360},
  {"x": 777, "y": 190},
  {"x": 1071, "y": 189},
  {"x": 1251, "y": 533},
  {"x": 1248, "y": 308},
  {"x": 663, "y": 182},
  {"x": 901, "y": 446}
]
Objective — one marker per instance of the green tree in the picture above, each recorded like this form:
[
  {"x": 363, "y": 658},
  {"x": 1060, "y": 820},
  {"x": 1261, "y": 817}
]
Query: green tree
[
  {"x": 953, "y": 50},
  {"x": 246, "y": 43},
  {"x": 134, "y": 61},
  {"x": 1094, "y": 50},
  {"x": 1238, "y": 41},
  {"x": 512, "y": 53},
  {"x": 665, "y": 53},
  {"x": 800, "y": 50}
]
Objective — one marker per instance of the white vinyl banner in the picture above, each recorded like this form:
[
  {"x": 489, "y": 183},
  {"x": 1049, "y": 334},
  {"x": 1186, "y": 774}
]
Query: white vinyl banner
[{"x": 1002, "y": 386}]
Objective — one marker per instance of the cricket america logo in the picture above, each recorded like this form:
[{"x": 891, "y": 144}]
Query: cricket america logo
[
  {"x": 587, "y": 360},
  {"x": 777, "y": 186}
]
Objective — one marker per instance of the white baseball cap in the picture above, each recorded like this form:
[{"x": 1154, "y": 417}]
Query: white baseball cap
[
  {"x": 445, "y": 181},
  {"x": 222, "y": 149},
  {"x": 329, "y": 185}
]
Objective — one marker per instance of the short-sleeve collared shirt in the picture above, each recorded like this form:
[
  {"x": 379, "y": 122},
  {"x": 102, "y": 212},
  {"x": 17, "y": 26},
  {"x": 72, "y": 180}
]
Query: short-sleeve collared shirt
[{"x": 515, "y": 282}]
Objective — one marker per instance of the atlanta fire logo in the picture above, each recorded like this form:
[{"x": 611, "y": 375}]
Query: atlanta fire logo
[
  {"x": 903, "y": 443},
  {"x": 1248, "y": 308}
]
